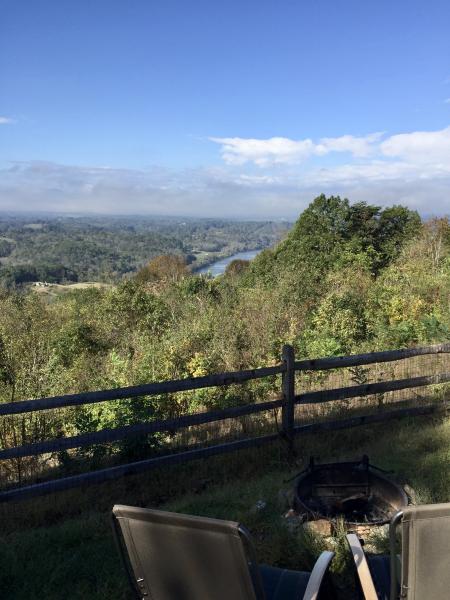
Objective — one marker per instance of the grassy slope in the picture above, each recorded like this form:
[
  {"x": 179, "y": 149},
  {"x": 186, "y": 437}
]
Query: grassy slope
[
  {"x": 76, "y": 558},
  {"x": 52, "y": 291}
]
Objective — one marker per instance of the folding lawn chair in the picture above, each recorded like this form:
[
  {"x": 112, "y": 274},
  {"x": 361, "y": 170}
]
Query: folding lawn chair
[
  {"x": 423, "y": 571},
  {"x": 170, "y": 556}
]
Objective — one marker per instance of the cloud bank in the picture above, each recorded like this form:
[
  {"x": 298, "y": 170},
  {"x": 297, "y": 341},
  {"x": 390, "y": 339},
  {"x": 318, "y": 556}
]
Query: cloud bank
[
  {"x": 420, "y": 146},
  {"x": 259, "y": 178}
]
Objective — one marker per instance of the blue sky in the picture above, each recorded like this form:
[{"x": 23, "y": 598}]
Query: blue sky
[{"x": 246, "y": 108}]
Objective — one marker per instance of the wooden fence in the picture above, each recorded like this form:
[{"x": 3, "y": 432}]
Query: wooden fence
[{"x": 289, "y": 399}]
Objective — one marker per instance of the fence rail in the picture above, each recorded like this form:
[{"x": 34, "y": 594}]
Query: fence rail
[
  {"x": 118, "y": 433},
  {"x": 149, "y": 389},
  {"x": 357, "y": 360},
  {"x": 368, "y": 389},
  {"x": 287, "y": 403}
]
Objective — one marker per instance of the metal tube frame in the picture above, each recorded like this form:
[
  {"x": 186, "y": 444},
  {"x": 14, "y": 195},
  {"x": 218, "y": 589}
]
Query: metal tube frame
[
  {"x": 395, "y": 576},
  {"x": 252, "y": 562}
]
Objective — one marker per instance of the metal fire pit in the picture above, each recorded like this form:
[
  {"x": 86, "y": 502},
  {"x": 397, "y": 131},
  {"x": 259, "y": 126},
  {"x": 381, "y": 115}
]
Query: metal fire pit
[{"x": 357, "y": 492}]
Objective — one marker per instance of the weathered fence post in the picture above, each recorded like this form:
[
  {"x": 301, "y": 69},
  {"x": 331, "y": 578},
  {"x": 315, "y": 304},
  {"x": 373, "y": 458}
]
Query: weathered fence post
[{"x": 288, "y": 382}]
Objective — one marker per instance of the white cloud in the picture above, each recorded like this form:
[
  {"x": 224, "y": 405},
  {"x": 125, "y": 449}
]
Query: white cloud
[
  {"x": 419, "y": 147},
  {"x": 6, "y": 121},
  {"x": 276, "y": 150},
  {"x": 447, "y": 101},
  {"x": 357, "y": 146},
  {"x": 284, "y": 151},
  {"x": 413, "y": 149}
]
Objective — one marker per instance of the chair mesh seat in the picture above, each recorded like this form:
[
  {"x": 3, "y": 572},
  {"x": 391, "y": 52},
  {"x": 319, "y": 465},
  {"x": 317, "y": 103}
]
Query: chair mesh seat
[
  {"x": 380, "y": 569},
  {"x": 283, "y": 583}
]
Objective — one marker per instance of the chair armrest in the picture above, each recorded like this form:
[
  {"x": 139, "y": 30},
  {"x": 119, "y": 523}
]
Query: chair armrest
[
  {"x": 362, "y": 568},
  {"x": 317, "y": 575}
]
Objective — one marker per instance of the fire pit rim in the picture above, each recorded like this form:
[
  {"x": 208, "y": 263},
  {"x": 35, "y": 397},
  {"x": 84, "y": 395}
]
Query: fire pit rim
[{"x": 374, "y": 472}]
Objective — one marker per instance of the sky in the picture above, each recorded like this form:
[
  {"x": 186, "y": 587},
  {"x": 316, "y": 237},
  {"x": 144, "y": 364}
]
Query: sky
[{"x": 243, "y": 108}]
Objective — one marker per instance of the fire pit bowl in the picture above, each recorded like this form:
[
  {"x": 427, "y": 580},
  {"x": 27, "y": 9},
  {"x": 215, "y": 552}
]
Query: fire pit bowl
[{"x": 358, "y": 492}]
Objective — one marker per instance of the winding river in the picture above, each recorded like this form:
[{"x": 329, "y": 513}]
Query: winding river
[{"x": 218, "y": 267}]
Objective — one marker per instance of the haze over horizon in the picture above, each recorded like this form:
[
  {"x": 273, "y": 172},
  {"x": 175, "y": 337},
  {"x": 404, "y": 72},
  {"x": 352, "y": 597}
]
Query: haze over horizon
[{"x": 235, "y": 110}]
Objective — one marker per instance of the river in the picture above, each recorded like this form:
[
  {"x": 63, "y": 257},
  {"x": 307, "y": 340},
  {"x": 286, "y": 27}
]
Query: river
[{"x": 218, "y": 267}]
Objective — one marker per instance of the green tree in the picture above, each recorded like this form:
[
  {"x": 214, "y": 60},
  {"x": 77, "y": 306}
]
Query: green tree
[
  {"x": 167, "y": 267},
  {"x": 397, "y": 225},
  {"x": 237, "y": 267}
]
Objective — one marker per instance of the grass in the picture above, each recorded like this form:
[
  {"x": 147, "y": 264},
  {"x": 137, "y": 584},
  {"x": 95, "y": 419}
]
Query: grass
[
  {"x": 62, "y": 547},
  {"x": 53, "y": 290}
]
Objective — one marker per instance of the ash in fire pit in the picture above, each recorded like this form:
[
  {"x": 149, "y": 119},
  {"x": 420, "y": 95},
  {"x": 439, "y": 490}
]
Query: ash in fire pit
[{"x": 356, "y": 491}]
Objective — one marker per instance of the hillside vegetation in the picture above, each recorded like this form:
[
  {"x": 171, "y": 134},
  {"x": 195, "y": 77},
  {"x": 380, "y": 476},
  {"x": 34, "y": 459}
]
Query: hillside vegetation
[{"x": 347, "y": 278}]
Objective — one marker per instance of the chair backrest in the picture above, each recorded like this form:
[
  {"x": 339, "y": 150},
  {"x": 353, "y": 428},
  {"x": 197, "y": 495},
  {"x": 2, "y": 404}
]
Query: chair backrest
[
  {"x": 426, "y": 552},
  {"x": 185, "y": 557}
]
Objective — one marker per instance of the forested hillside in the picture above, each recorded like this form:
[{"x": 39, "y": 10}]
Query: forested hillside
[
  {"x": 106, "y": 249},
  {"x": 347, "y": 278}
]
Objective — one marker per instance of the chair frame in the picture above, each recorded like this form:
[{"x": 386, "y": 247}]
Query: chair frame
[
  {"x": 362, "y": 566},
  {"x": 313, "y": 587},
  {"x": 395, "y": 579}
]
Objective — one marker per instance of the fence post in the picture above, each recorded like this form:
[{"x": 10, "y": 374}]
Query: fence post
[{"x": 288, "y": 382}]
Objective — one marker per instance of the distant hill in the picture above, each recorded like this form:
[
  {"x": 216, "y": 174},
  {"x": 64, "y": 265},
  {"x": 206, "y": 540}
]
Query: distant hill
[{"x": 70, "y": 249}]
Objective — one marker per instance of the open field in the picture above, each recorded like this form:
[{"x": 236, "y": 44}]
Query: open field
[
  {"x": 50, "y": 291},
  {"x": 67, "y": 538}
]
